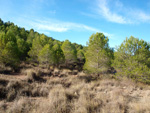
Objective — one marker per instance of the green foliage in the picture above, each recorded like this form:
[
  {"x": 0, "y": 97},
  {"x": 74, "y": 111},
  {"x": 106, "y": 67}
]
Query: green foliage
[
  {"x": 58, "y": 54},
  {"x": 31, "y": 36},
  {"x": 46, "y": 55},
  {"x": 10, "y": 36},
  {"x": 78, "y": 46},
  {"x": 37, "y": 45},
  {"x": 23, "y": 48},
  {"x": 23, "y": 34},
  {"x": 1, "y": 22},
  {"x": 98, "y": 55},
  {"x": 13, "y": 45},
  {"x": 10, "y": 55},
  {"x": 80, "y": 55},
  {"x": 132, "y": 59},
  {"x": 69, "y": 51},
  {"x": 2, "y": 40}
]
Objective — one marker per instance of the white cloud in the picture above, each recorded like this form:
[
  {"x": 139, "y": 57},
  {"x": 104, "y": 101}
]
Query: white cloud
[
  {"x": 51, "y": 25},
  {"x": 59, "y": 26},
  {"x": 140, "y": 15},
  {"x": 103, "y": 9},
  {"x": 115, "y": 11},
  {"x": 47, "y": 25}
]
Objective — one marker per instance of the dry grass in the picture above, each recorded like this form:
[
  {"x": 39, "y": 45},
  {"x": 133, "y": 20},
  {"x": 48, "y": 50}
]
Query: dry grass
[
  {"x": 73, "y": 94},
  {"x": 22, "y": 105}
]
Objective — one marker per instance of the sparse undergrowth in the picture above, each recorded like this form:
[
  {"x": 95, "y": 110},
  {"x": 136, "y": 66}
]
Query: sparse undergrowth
[{"x": 77, "y": 93}]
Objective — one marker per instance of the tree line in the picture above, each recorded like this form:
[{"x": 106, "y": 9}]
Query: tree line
[
  {"x": 18, "y": 44},
  {"x": 130, "y": 59}
]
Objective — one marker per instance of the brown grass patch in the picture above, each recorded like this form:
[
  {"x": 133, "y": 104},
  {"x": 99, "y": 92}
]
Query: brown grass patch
[{"x": 73, "y": 94}]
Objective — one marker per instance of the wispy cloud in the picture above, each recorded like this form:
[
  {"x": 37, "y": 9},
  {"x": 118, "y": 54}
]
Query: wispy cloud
[
  {"x": 103, "y": 9},
  {"x": 52, "y": 25},
  {"x": 60, "y": 26},
  {"x": 119, "y": 13},
  {"x": 140, "y": 16}
]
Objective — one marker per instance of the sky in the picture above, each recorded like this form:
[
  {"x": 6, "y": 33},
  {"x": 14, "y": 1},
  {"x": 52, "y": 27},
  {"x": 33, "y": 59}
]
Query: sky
[{"x": 77, "y": 20}]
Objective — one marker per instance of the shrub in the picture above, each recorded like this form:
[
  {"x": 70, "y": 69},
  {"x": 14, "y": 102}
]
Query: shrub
[
  {"x": 58, "y": 100},
  {"x": 132, "y": 59},
  {"x": 3, "y": 93},
  {"x": 32, "y": 76},
  {"x": 2, "y": 107},
  {"x": 11, "y": 95},
  {"x": 23, "y": 105}
]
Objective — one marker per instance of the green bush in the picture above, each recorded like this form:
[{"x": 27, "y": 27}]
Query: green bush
[{"x": 132, "y": 59}]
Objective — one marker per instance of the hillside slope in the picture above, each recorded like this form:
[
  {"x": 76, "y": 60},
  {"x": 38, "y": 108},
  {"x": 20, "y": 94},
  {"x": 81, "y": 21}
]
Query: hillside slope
[{"x": 37, "y": 90}]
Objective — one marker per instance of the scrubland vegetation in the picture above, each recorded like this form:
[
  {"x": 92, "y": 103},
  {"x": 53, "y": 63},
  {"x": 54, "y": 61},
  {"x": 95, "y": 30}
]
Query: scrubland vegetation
[
  {"x": 36, "y": 92},
  {"x": 39, "y": 74}
]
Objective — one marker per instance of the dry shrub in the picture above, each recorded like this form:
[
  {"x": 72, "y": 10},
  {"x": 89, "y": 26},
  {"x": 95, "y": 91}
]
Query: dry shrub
[
  {"x": 69, "y": 72},
  {"x": 33, "y": 76},
  {"x": 74, "y": 80},
  {"x": 23, "y": 105},
  {"x": 89, "y": 101},
  {"x": 11, "y": 95},
  {"x": 92, "y": 100},
  {"x": 56, "y": 103},
  {"x": 3, "y": 93},
  {"x": 14, "y": 84},
  {"x": 65, "y": 71},
  {"x": 75, "y": 72},
  {"x": 73, "y": 94},
  {"x": 86, "y": 103},
  {"x": 115, "y": 104},
  {"x": 2, "y": 107},
  {"x": 58, "y": 100},
  {"x": 16, "y": 89},
  {"x": 87, "y": 78},
  {"x": 77, "y": 88},
  {"x": 54, "y": 81},
  {"x": 26, "y": 90},
  {"x": 44, "y": 90},
  {"x": 37, "y": 71},
  {"x": 41, "y": 90},
  {"x": 35, "y": 92},
  {"x": 141, "y": 105},
  {"x": 56, "y": 72},
  {"x": 25, "y": 71},
  {"x": 13, "y": 89},
  {"x": 3, "y": 82}
]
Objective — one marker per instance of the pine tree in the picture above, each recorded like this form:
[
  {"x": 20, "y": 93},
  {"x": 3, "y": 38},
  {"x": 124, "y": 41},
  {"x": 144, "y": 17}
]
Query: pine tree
[
  {"x": 58, "y": 54},
  {"x": 31, "y": 36},
  {"x": 69, "y": 51},
  {"x": 10, "y": 55},
  {"x": 46, "y": 56},
  {"x": 80, "y": 56},
  {"x": 23, "y": 48},
  {"x": 37, "y": 45},
  {"x": 132, "y": 59},
  {"x": 98, "y": 55}
]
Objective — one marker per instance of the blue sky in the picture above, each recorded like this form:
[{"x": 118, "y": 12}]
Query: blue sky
[{"x": 77, "y": 20}]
